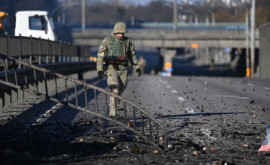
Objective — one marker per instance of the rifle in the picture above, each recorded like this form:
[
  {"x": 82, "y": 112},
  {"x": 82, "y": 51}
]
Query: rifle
[{"x": 114, "y": 60}]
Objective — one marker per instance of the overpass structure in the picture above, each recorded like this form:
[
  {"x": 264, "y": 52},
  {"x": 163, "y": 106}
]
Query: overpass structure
[{"x": 168, "y": 40}]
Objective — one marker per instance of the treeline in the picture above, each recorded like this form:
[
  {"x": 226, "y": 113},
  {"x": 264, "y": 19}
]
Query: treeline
[
  {"x": 101, "y": 13},
  {"x": 109, "y": 12}
]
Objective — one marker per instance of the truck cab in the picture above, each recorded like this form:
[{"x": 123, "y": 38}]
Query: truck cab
[{"x": 34, "y": 23}]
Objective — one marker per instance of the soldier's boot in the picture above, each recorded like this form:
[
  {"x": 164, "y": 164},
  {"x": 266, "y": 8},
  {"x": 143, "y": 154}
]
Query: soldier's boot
[{"x": 112, "y": 111}]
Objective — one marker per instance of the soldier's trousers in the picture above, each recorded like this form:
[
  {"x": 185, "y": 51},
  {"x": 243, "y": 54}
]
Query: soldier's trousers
[{"x": 117, "y": 82}]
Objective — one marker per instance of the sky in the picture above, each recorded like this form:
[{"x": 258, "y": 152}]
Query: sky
[
  {"x": 144, "y": 2},
  {"x": 137, "y": 2}
]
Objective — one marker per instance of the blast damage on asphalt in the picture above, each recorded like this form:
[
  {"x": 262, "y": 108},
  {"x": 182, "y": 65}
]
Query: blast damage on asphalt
[{"x": 66, "y": 136}]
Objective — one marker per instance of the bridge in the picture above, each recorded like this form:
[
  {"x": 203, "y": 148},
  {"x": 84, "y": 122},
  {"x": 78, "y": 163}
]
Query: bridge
[
  {"x": 37, "y": 70},
  {"x": 47, "y": 70},
  {"x": 170, "y": 38},
  {"x": 200, "y": 39}
]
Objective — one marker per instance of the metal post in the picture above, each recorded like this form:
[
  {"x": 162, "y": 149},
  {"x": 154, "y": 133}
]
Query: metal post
[
  {"x": 45, "y": 83},
  {"x": 247, "y": 41},
  {"x": 106, "y": 105},
  {"x": 175, "y": 20},
  {"x": 83, "y": 14},
  {"x": 76, "y": 93},
  {"x": 66, "y": 89},
  {"x": 15, "y": 92},
  {"x": 85, "y": 96},
  {"x": 6, "y": 69},
  {"x": 56, "y": 89},
  {"x": 47, "y": 57},
  {"x": 6, "y": 60},
  {"x": 35, "y": 79},
  {"x": 20, "y": 48},
  {"x": 54, "y": 54},
  {"x": 150, "y": 129},
  {"x": 39, "y": 51},
  {"x": 31, "y": 51},
  {"x": 252, "y": 37},
  {"x": 247, "y": 47},
  {"x": 213, "y": 19},
  {"x": 61, "y": 52}
]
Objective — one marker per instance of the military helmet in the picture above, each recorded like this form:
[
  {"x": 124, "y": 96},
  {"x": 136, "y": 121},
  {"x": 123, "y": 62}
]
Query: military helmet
[{"x": 120, "y": 27}]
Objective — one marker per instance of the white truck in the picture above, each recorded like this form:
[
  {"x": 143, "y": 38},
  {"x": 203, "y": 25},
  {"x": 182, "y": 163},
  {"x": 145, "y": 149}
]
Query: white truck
[{"x": 34, "y": 23}]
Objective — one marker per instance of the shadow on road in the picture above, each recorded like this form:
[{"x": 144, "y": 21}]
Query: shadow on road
[
  {"x": 24, "y": 140},
  {"x": 198, "y": 114}
]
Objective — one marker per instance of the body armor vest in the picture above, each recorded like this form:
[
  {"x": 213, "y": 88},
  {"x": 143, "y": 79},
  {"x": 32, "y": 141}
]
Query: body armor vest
[{"x": 118, "y": 48}]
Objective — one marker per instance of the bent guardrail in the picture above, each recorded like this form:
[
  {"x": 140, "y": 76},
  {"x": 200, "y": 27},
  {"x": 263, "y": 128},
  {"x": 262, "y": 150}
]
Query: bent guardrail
[{"x": 131, "y": 116}]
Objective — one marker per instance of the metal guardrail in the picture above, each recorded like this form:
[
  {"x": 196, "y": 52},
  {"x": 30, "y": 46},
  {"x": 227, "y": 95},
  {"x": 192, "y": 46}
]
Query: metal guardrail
[
  {"x": 199, "y": 25},
  {"x": 40, "y": 51},
  {"x": 58, "y": 56},
  {"x": 131, "y": 116}
]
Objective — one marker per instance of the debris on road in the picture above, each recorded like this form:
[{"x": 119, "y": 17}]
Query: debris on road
[{"x": 266, "y": 144}]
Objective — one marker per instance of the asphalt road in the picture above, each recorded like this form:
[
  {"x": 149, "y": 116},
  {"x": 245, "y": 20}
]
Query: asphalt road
[
  {"x": 223, "y": 118},
  {"x": 209, "y": 120}
]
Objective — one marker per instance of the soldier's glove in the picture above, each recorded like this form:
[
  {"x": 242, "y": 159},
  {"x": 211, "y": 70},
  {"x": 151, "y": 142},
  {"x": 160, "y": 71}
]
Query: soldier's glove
[
  {"x": 100, "y": 74},
  {"x": 139, "y": 72}
]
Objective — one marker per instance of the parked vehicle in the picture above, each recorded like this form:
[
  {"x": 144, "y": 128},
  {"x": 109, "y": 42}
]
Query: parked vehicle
[{"x": 34, "y": 23}]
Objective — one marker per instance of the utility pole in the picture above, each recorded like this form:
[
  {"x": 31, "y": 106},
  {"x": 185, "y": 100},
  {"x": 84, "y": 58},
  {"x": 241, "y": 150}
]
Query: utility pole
[
  {"x": 175, "y": 19},
  {"x": 83, "y": 15},
  {"x": 247, "y": 47},
  {"x": 247, "y": 41},
  {"x": 252, "y": 37}
]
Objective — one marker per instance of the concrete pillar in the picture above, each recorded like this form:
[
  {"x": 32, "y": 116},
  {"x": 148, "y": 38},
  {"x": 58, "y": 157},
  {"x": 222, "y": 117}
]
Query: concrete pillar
[
  {"x": 7, "y": 99},
  {"x": 20, "y": 95},
  {"x": 14, "y": 95},
  {"x": 207, "y": 59},
  {"x": 196, "y": 53},
  {"x": 168, "y": 55}
]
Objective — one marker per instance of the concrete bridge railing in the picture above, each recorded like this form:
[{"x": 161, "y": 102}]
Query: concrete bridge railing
[{"x": 170, "y": 38}]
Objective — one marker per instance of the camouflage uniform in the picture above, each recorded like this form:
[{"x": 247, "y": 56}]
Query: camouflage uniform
[{"x": 117, "y": 72}]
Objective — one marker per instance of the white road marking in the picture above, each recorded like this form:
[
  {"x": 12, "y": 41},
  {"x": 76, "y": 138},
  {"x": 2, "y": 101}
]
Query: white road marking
[
  {"x": 173, "y": 91},
  {"x": 168, "y": 86},
  {"x": 190, "y": 110},
  {"x": 181, "y": 98},
  {"x": 266, "y": 88},
  {"x": 46, "y": 114},
  {"x": 207, "y": 133},
  {"x": 234, "y": 97}
]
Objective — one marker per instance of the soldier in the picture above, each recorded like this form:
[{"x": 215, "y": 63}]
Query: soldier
[
  {"x": 114, "y": 55},
  {"x": 142, "y": 62}
]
